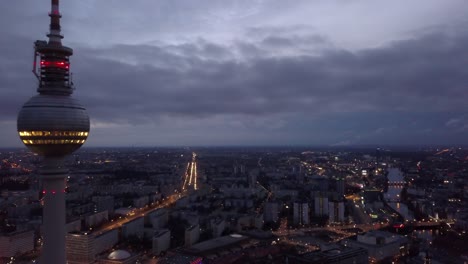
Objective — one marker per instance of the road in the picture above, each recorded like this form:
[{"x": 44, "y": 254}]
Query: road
[
  {"x": 292, "y": 236},
  {"x": 140, "y": 212},
  {"x": 191, "y": 179},
  {"x": 191, "y": 174}
]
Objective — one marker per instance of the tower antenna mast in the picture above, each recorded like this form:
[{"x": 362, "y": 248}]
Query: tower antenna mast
[{"x": 55, "y": 38}]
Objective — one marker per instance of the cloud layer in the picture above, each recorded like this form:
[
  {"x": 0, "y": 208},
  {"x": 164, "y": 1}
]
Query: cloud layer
[{"x": 267, "y": 84}]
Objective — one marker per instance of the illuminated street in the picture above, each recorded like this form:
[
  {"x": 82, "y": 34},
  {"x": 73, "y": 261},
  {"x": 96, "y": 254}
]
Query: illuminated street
[
  {"x": 136, "y": 213},
  {"x": 191, "y": 174}
]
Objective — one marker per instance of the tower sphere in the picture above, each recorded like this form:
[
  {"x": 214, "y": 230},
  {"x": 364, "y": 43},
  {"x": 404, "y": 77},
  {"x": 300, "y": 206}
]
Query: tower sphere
[{"x": 53, "y": 125}]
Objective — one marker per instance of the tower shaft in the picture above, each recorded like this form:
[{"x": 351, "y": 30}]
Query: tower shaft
[{"x": 53, "y": 217}]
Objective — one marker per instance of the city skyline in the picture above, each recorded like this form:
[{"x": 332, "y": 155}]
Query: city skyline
[{"x": 253, "y": 72}]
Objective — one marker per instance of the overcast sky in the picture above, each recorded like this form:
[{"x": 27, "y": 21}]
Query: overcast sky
[{"x": 251, "y": 72}]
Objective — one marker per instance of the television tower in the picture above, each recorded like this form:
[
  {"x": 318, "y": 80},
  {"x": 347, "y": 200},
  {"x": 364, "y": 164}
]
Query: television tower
[{"x": 53, "y": 125}]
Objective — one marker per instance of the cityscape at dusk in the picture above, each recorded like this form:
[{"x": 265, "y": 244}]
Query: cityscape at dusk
[{"x": 231, "y": 132}]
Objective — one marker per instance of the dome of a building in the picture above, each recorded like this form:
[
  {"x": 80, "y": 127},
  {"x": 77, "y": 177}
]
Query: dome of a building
[
  {"x": 53, "y": 125},
  {"x": 119, "y": 255}
]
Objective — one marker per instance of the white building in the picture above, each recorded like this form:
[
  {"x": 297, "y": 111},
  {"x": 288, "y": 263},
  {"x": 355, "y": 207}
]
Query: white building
[
  {"x": 161, "y": 241},
  {"x": 192, "y": 235},
  {"x": 82, "y": 248},
  {"x": 16, "y": 243}
]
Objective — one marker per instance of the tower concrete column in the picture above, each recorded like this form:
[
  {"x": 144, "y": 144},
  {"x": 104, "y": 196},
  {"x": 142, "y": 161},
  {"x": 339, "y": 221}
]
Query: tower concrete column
[{"x": 53, "y": 176}]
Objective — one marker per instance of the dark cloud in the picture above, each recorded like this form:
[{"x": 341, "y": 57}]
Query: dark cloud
[{"x": 418, "y": 75}]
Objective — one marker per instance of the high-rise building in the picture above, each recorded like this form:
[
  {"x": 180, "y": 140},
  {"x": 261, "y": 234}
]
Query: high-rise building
[
  {"x": 161, "y": 241},
  {"x": 340, "y": 186},
  {"x": 336, "y": 211},
  {"x": 301, "y": 214},
  {"x": 53, "y": 125},
  {"x": 321, "y": 205},
  {"x": 192, "y": 235}
]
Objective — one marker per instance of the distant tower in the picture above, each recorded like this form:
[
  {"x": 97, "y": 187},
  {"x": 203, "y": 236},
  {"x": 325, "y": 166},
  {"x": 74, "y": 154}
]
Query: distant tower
[{"x": 53, "y": 125}]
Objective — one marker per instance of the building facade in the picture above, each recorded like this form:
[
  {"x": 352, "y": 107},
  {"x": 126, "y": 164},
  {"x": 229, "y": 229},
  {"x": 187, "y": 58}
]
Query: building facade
[
  {"x": 336, "y": 212},
  {"x": 192, "y": 235},
  {"x": 161, "y": 241},
  {"x": 321, "y": 205},
  {"x": 301, "y": 215},
  {"x": 16, "y": 243}
]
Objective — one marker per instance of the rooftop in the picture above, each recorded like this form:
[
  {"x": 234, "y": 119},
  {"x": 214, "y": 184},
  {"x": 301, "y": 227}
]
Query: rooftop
[
  {"x": 119, "y": 255},
  {"x": 216, "y": 243}
]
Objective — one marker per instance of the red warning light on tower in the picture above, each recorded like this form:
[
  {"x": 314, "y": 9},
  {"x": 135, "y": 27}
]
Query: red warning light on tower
[{"x": 56, "y": 64}]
